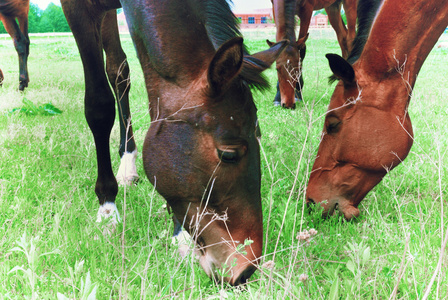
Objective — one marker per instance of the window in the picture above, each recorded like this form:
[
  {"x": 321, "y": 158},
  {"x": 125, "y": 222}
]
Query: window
[
  {"x": 251, "y": 20},
  {"x": 264, "y": 20}
]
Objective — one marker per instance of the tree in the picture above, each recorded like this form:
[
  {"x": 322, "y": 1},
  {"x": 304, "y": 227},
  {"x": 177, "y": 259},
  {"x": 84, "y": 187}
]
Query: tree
[
  {"x": 53, "y": 20},
  {"x": 34, "y": 17},
  {"x": 50, "y": 20}
]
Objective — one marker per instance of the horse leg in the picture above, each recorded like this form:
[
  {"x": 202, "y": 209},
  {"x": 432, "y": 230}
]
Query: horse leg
[
  {"x": 1, "y": 78},
  {"x": 334, "y": 16},
  {"x": 350, "y": 7},
  {"x": 99, "y": 100},
  {"x": 22, "y": 45},
  {"x": 181, "y": 238},
  {"x": 304, "y": 13},
  {"x": 277, "y": 98},
  {"x": 117, "y": 70},
  {"x": 23, "y": 23}
]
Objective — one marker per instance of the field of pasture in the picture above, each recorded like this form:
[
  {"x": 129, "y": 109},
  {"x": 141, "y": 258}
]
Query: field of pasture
[{"x": 51, "y": 247}]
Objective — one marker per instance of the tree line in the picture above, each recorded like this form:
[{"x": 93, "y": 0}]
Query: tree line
[{"x": 51, "y": 19}]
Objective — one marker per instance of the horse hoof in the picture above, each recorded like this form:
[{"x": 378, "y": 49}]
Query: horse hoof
[
  {"x": 108, "y": 212},
  {"x": 22, "y": 86}
]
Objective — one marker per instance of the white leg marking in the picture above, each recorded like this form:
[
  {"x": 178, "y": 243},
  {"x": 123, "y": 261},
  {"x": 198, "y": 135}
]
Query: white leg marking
[
  {"x": 108, "y": 211},
  {"x": 183, "y": 242},
  {"x": 127, "y": 173}
]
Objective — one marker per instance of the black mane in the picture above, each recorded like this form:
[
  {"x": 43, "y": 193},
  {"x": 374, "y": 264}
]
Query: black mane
[
  {"x": 366, "y": 13},
  {"x": 222, "y": 25},
  {"x": 8, "y": 8},
  {"x": 367, "y": 10}
]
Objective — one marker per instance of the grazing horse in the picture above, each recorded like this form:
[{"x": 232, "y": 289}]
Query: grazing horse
[
  {"x": 10, "y": 10},
  {"x": 289, "y": 63},
  {"x": 201, "y": 150},
  {"x": 367, "y": 130}
]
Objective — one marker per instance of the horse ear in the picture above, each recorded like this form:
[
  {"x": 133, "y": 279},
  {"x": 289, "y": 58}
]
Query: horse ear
[
  {"x": 264, "y": 59},
  {"x": 225, "y": 65},
  {"x": 269, "y": 43},
  {"x": 341, "y": 68},
  {"x": 301, "y": 42}
]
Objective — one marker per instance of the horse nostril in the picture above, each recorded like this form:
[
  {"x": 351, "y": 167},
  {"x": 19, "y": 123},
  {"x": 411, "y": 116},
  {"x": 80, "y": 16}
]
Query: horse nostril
[
  {"x": 310, "y": 204},
  {"x": 293, "y": 106},
  {"x": 283, "y": 105},
  {"x": 244, "y": 276}
]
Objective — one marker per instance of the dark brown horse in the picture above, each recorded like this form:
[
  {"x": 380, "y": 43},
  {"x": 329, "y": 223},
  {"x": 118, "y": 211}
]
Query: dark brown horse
[
  {"x": 10, "y": 10},
  {"x": 367, "y": 130},
  {"x": 289, "y": 63},
  {"x": 201, "y": 151}
]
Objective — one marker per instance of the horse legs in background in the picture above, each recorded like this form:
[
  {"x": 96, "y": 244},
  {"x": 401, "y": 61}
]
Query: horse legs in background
[
  {"x": 1, "y": 78},
  {"x": 117, "y": 70},
  {"x": 21, "y": 43},
  {"x": 99, "y": 101},
  {"x": 350, "y": 8},
  {"x": 345, "y": 35}
]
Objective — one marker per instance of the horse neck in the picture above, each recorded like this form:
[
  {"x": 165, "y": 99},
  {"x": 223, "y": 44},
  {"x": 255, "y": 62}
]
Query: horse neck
[
  {"x": 403, "y": 34},
  {"x": 170, "y": 39},
  {"x": 284, "y": 14}
]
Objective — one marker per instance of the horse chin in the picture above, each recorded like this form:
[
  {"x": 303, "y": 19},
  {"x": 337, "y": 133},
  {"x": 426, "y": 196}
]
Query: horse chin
[
  {"x": 234, "y": 275},
  {"x": 347, "y": 208}
]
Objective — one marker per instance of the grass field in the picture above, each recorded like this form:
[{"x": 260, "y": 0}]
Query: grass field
[{"x": 52, "y": 248}]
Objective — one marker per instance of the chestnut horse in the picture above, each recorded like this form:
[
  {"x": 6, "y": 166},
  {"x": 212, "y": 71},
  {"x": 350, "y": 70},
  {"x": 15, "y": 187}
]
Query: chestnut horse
[
  {"x": 10, "y": 10},
  {"x": 201, "y": 150},
  {"x": 289, "y": 63},
  {"x": 367, "y": 130}
]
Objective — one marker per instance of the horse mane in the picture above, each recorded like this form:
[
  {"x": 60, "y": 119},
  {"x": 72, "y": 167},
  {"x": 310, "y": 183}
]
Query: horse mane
[
  {"x": 367, "y": 10},
  {"x": 221, "y": 25},
  {"x": 366, "y": 13},
  {"x": 8, "y": 8}
]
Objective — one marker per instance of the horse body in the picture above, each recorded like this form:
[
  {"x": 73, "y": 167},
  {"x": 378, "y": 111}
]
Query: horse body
[
  {"x": 10, "y": 10},
  {"x": 367, "y": 130},
  {"x": 201, "y": 150},
  {"x": 289, "y": 63}
]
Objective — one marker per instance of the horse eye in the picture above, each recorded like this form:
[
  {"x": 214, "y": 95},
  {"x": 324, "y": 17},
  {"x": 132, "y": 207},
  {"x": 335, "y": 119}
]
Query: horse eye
[
  {"x": 333, "y": 125},
  {"x": 228, "y": 156}
]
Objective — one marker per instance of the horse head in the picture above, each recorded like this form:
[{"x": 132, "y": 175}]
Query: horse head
[
  {"x": 366, "y": 134},
  {"x": 289, "y": 71},
  {"x": 203, "y": 158}
]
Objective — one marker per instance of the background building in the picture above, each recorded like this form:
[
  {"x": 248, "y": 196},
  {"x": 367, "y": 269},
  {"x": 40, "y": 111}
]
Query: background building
[{"x": 257, "y": 18}]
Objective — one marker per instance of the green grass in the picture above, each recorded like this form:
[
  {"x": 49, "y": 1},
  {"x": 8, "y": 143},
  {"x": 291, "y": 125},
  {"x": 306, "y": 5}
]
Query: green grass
[{"x": 50, "y": 242}]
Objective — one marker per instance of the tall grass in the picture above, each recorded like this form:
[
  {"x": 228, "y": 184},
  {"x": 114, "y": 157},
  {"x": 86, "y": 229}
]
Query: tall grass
[{"x": 51, "y": 246}]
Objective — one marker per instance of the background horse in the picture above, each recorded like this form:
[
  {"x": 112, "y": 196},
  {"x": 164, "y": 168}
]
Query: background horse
[
  {"x": 10, "y": 10},
  {"x": 289, "y": 63},
  {"x": 367, "y": 130},
  {"x": 201, "y": 151}
]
